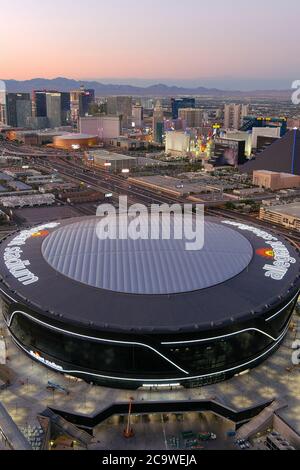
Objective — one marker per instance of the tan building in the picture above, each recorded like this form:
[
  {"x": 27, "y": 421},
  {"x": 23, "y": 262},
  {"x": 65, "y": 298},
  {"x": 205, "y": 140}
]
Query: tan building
[
  {"x": 137, "y": 115},
  {"x": 293, "y": 122},
  {"x": 157, "y": 122},
  {"x": 178, "y": 143},
  {"x": 234, "y": 115},
  {"x": 287, "y": 215},
  {"x": 192, "y": 117},
  {"x": 274, "y": 181},
  {"x": 121, "y": 106},
  {"x": 126, "y": 143},
  {"x": 264, "y": 132},
  {"x": 105, "y": 127}
]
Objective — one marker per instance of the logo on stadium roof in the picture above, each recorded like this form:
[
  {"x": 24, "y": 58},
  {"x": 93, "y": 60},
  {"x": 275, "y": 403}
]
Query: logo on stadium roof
[
  {"x": 266, "y": 253},
  {"x": 39, "y": 234}
]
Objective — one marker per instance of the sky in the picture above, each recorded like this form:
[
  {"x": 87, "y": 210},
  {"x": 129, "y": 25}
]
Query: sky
[{"x": 192, "y": 42}]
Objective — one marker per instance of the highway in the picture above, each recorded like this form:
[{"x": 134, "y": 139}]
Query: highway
[
  {"x": 106, "y": 182},
  {"x": 100, "y": 180}
]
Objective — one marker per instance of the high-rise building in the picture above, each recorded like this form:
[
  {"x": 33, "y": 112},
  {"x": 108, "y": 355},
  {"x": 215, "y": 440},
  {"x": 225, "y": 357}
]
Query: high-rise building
[
  {"x": 192, "y": 117},
  {"x": 81, "y": 101},
  {"x": 19, "y": 108},
  {"x": 121, "y": 105},
  {"x": 39, "y": 103},
  {"x": 65, "y": 108},
  {"x": 53, "y": 105},
  {"x": 137, "y": 115},
  {"x": 178, "y": 143},
  {"x": 3, "y": 115},
  {"x": 173, "y": 125},
  {"x": 181, "y": 103},
  {"x": 104, "y": 127},
  {"x": 158, "y": 123},
  {"x": 147, "y": 103},
  {"x": 36, "y": 123},
  {"x": 240, "y": 135},
  {"x": 54, "y": 114},
  {"x": 234, "y": 115},
  {"x": 86, "y": 98},
  {"x": 229, "y": 152}
]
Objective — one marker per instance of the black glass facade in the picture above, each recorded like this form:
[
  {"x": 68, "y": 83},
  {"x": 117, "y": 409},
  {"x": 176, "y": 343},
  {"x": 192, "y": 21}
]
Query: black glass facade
[
  {"x": 232, "y": 350},
  {"x": 76, "y": 352},
  {"x": 205, "y": 362},
  {"x": 181, "y": 103}
]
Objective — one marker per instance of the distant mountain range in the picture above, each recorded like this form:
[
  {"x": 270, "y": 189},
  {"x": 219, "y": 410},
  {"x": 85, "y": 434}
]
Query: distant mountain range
[{"x": 65, "y": 84}]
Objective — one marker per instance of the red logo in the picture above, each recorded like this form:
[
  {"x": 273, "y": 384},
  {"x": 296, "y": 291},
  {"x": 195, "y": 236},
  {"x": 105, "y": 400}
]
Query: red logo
[
  {"x": 41, "y": 233},
  {"x": 266, "y": 253}
]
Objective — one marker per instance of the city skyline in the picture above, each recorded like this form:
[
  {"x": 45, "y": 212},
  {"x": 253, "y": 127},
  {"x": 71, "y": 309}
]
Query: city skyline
[{"x": 176, "y": 43}]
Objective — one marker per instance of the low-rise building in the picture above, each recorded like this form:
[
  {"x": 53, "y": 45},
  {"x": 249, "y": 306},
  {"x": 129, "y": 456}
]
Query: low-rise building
[
  {"x": 28, "y": 201},
  {"x": 274, "y": 180},
  {"x": 80, "y": 197},
  {"x": 44, "y": 179},
  {"x": 16, "y": 185},
  {"x": 126, "y": 143},
  {"x": 109, "y": 161},
  {"x": 168, "y": 184},
  {"x": 247, "y": 192},
  {"x": 286, "y": 215},
  {"x": 8, "y": 161},
  {"x": 34, "y": 137},
  {"x": 72, "y": 141}
]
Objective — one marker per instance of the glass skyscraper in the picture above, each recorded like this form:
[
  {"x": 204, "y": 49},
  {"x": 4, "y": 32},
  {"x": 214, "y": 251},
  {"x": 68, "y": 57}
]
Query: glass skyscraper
[{"x": 181, "y": 103}]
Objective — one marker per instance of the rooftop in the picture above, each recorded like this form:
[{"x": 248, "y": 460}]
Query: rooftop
[
  {"x": 288, "y": 209},
  {"x": 152, "y": 281},
  {"x": 72, "y": 136},
  {"x": 105, "y": 155},
  {"x": 269, "y": 172},
  {"x": 146, "y": 266}
]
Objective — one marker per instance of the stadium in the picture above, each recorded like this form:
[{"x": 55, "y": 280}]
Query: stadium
[{"x": 148, "y": 313}]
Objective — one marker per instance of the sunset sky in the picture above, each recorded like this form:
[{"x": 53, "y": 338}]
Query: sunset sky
[{"x": 150, "y": 39}]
